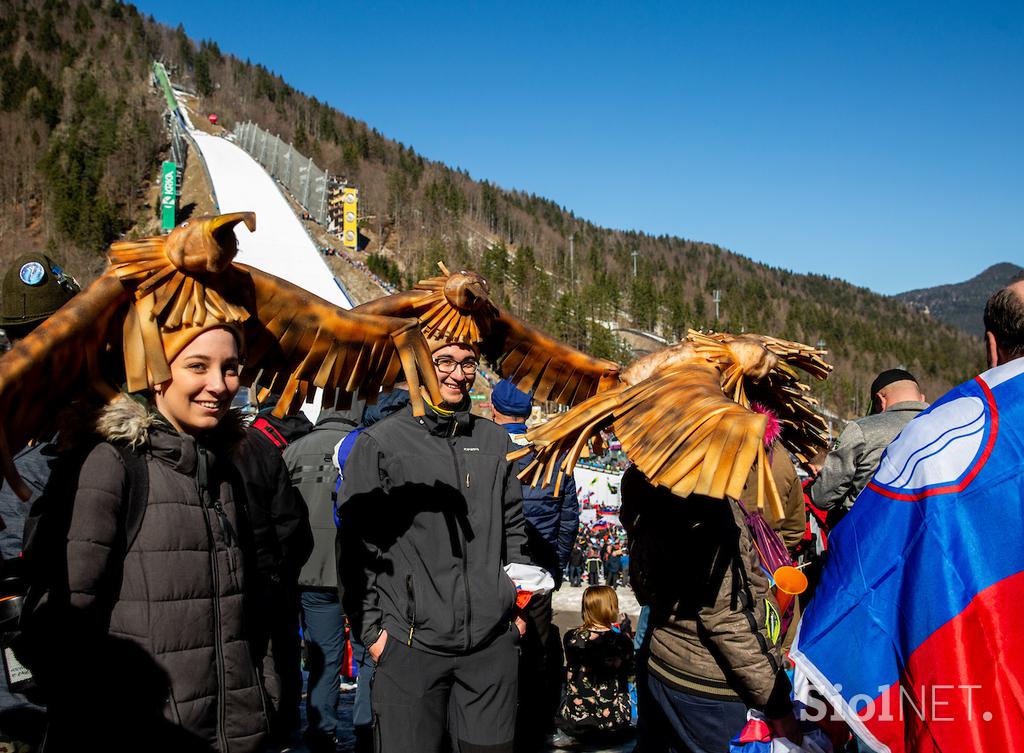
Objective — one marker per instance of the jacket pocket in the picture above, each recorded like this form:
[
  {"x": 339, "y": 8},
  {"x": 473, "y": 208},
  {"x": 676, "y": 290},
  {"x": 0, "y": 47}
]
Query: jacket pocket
[
  {"x": 384, "y": 651},
  {"x": 171, "y": 708}
]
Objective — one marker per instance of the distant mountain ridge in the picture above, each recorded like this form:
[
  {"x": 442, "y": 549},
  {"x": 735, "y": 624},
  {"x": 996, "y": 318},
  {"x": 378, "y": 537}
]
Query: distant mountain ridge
[{"x": 961, "y": 304}]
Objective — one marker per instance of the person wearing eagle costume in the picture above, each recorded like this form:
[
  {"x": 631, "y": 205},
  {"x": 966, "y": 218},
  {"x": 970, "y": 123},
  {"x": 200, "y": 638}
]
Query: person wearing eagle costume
[
  {"x": 135, "y": 623},
  {"x": 691, "y": 419},
  {"x": 434, "y": 508},
  {"x": 684, "y": 416}
]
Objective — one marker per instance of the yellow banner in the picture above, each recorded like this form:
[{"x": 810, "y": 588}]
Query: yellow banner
[{"x": 350, "y": 217}]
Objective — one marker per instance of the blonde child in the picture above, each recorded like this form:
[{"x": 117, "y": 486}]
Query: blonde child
[{"x": 599, "y": 663}]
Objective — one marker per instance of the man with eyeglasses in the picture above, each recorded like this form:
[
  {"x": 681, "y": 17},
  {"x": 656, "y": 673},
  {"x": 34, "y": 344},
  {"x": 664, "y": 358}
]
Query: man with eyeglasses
[{"x": 430, "y": 511}]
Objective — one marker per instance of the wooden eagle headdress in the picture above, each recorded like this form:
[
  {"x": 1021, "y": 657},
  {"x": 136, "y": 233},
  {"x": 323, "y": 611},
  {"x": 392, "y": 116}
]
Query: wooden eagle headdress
[
  {"x": 687, "y": 416},
  {"x": 119, "y": 328},
  {"x": 456, "y": 307},
  {"x": 692, "y": 418}
]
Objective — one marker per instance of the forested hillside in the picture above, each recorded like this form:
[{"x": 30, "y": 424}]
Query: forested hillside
[{"x": 81, "y": 139}]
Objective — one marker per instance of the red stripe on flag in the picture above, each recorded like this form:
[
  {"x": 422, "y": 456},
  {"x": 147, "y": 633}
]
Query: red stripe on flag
[{"x": 963, "y": 688}]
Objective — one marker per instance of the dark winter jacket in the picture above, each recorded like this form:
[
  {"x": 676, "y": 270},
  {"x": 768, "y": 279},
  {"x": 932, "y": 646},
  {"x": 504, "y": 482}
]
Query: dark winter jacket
[
  {"x": 161, "y": 626},
  {"x": 430, "y": 511},
  {"x": 34, "y": 465},
  {"x": 387, "y": 403},
  {"x": 576, "y": 557},
  {"x": 283, "y": 541},
  {"x": 279, "y": 517},
  {"x": 310, "y": 462},
  {"x": 552, "y": 521},
  {"x": 714, "y": 625}
]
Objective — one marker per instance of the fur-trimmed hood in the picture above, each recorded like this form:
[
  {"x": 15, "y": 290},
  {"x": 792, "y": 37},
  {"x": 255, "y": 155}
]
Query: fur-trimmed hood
[{"x": 129, "y": 420}]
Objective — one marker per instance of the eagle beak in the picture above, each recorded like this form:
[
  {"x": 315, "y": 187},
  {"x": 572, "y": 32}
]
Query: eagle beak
[
  {"x": 228, "y": 221},
  {"x": 221, "y": 229}
]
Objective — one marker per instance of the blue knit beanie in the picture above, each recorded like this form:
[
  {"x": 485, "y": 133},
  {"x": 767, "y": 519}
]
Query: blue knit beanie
[{"x": 510, "y": 400}]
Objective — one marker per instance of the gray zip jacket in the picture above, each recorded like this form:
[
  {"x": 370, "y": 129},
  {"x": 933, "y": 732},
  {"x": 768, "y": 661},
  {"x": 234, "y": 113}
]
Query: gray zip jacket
[
  {"x": 310, "y": 461},
  {"x": 430, "y": 512},
  {"x": 853, "y": 462}
]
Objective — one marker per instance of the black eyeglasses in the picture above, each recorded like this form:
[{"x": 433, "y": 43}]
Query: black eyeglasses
[{"x": 447, "y": 365}]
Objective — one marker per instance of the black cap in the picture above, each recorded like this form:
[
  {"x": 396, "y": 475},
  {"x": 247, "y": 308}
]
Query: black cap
[
  {"x": 886, "y": 378},
  {"x": 33, "y": 288}
]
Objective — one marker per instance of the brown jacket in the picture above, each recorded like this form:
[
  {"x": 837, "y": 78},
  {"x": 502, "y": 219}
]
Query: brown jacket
[
  {"x": 792, "y": 524},
  {"x": 714, "y": 624}
]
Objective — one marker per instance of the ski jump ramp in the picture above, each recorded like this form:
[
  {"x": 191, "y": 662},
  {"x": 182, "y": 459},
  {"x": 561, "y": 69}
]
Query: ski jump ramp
[{"x": 280, "y": 244}]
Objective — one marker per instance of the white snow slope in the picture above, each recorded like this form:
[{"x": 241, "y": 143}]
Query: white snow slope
[{"x": 280, "y": 244}]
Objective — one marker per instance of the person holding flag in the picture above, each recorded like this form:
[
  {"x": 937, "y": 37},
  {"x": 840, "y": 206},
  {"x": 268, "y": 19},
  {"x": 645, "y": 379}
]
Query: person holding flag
[{"x": 911, "y": 636}]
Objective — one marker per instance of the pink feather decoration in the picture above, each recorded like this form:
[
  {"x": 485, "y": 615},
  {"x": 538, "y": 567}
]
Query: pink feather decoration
[{"x": 773, "y": 430}]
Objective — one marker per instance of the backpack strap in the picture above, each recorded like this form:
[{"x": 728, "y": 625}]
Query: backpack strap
[
  {"x": 342, "y": 450},
  {"x": 270, "y": 431},
  {"x": 341, "y": 453},
  {"x": 138, "y": 493}
]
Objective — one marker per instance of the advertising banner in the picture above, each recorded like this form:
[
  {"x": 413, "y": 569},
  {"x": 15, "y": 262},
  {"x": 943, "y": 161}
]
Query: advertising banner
[
  {"x": 168, "y": 196},
  {"x": 350, "y": 223}
]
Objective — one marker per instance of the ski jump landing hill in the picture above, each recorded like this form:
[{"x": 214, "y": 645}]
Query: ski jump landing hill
[{"x": 280, "y": 244}]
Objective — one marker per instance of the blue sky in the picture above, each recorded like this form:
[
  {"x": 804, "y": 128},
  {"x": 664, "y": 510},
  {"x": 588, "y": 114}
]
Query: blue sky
[{"x": 879, "y": 142}]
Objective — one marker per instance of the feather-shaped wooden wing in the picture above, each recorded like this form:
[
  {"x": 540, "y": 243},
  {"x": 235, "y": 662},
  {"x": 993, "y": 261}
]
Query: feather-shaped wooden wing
[
  {"x": 63, "y": 360},
  {"x": 456, "y": 308},
  {"x": 295, "y": 341},
  {"x": 678, "y": 428},
  {"x": 536, "y": 362},
  {"x": 683, "y": 415}
]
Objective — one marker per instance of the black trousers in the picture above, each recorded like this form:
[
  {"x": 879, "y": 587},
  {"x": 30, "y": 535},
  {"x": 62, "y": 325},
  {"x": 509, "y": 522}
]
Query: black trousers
[
  {"x": 575, "y": 574},
  {"x": 423, "y": 700},
  {"x": 541, "y": 669}
]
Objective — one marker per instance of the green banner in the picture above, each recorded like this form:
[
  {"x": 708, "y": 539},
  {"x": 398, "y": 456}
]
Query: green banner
[{"x": 168, "y": 196}]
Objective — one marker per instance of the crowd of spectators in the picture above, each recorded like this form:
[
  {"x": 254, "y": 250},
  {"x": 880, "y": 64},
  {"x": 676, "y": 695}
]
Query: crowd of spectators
[
  {"x": 362, "y": 267},
  {"x": 600, "y": 555}
]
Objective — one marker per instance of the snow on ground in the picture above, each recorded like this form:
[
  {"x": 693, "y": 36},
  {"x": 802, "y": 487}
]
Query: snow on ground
[
  {"x": 598, "y": 486},
  {"x": 567, "y": 602},
  {"x": 280, "y": 244}
]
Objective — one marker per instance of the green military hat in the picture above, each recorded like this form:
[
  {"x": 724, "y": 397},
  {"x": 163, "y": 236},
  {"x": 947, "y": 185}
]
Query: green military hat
[{"x": 34, "y": 287}]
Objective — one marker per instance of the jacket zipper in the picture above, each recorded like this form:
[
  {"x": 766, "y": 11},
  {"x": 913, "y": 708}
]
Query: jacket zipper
[
  {"x": 411, "y": 610},
  {"x": 462, "y": 538},
  {"x": 202, "y": 481}
]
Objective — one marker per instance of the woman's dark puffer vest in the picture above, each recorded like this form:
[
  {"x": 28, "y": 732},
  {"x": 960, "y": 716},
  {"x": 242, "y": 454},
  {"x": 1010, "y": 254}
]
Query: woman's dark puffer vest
[{"x": 180, "y": 592}]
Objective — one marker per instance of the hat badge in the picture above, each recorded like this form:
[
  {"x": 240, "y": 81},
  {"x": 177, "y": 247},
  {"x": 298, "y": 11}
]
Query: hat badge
[{"x": 32, "y": 273}]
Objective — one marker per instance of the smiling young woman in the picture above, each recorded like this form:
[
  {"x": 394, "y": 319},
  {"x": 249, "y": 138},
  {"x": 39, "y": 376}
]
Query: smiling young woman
[
  {"x": 174, "y": 586},
  {"x": 204, "y": 381}
]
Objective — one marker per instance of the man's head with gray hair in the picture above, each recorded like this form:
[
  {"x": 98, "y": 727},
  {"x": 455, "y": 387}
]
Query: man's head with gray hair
[{"x": 1004, "y": 324}]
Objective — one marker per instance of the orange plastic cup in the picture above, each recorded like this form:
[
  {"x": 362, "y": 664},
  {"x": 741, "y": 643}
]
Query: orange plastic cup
[{"x": 789, "y": 582}]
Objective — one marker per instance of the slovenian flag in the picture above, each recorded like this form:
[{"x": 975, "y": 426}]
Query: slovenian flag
[{"x": 916, "y": 632}]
